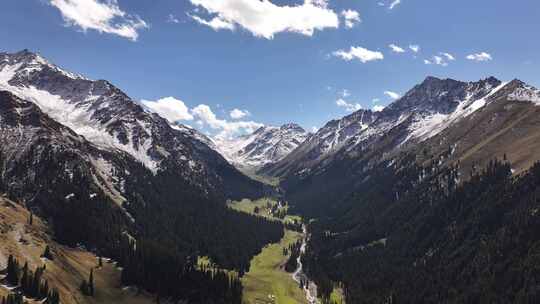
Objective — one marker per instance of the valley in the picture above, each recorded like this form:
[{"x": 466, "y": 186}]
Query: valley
[
  {"x": 434, "y": 198},
  {"x": 267, "y": 281}
]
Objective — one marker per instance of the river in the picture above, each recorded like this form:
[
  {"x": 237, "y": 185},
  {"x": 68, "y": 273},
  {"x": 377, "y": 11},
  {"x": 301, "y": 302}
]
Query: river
[{"x": 299, "y": 276}]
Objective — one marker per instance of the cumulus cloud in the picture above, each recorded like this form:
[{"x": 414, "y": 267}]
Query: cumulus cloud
[
  {"x": 391, "y": 94},
  {"x": 483, "y": 56},
  {"x": 351, "y": 17},
  {"x": 264, "y": 19},
  {"x": 239, "y": 114},
  {"x": 350, "y": 107},
  {"x": 396, "y": 49},
  {"x": 169, "y": 108},
  {"x": 360, "y": 53},
  {"x": 175, "y": 111},
  {"x": 225, "y": 129},
  {"x": 415, "y": 48},
  {"x": 104, "y": 16},
  {"x": 378, "y": 108},
  {"x": 439, "y": 60}
]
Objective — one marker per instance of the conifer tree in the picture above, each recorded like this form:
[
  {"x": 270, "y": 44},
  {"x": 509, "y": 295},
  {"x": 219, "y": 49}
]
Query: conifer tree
[
  {"x": 47, "y": 253},
  {"x": 12, "y": 276},
  {"x": 91, "y": 283}
]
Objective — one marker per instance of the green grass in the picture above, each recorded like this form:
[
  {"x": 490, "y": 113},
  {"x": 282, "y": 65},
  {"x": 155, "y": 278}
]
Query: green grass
[
  {"x": 267, "y": 282},
  {"x": 336, "y": 297},
  {"x": 248, "y": 206}
]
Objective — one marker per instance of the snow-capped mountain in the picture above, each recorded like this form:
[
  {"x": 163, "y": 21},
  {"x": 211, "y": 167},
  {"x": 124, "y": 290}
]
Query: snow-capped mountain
[
  {"x": 440, "y": 123},
  {"x": 422, "y": 113},
  {"x": 266, "y": 145},
  {"x": 111, "y": 121}
]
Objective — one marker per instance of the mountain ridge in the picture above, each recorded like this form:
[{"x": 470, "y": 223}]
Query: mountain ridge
[
  {"x": 264, "y": 146},
  {"x": 108, "y": 118}
]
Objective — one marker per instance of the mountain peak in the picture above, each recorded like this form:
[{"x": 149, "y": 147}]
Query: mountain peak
[
  {"x": 264, "y": 146},
  {"x": 292, "y": 126}
]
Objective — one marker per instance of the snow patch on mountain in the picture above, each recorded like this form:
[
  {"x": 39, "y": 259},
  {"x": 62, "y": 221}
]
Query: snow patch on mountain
[
  {"x": 265, "y": 145},
  {"x": 425, "y": 127},
  {"x": 526, "y": 93},
  {"x": 76, "y": 116}
]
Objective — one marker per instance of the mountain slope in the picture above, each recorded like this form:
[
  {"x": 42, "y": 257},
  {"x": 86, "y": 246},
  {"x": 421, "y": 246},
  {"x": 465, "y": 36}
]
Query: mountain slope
[
  {"x": 422, "y": 113},
  {"x": 416, "y": 209},
  {"x": 138, "y": 180},
  {"x": 68, "y": 267},
  {"x": 443, "y": 121},
  {"x": 109, "y": 119},
  {"x": 266, "y": 145}
]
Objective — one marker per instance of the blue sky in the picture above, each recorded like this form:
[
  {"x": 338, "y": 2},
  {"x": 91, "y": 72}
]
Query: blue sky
[{"x": 280, "y": 65}]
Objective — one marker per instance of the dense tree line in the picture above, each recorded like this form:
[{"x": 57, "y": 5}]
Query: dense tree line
[
  {"x": 172, "y": 274},
  {"x": 424, "y": 237},
  {"x": 180, "y": 217},
  {"x": 294, "y": 252},
  {"x": 28, "y": 283}
]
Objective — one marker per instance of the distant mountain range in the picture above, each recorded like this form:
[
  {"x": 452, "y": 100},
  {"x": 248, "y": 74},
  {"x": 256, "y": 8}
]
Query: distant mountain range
[{"x": 267, "y": 145}]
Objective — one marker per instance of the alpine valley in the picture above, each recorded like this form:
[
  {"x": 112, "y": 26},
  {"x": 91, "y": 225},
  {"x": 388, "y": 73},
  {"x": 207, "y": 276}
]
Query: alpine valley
[{"x": 434, "y": 199}]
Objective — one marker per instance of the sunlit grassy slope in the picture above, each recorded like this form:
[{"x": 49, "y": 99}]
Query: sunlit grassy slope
[{"x": 267, "y": 281}]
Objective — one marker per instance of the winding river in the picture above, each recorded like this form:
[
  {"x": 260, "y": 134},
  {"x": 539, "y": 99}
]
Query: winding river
[{"x": 299, "y": 276}]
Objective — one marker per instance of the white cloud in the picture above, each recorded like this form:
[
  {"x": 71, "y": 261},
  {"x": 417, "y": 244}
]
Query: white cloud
[
  {"x": 360, "y": 53},
  {"x": 104, "y": 16},
  {"x": 215, "y": 23},
  {"x": 391, "y": 94},
  {"x": 169, "y": 108},
  {"x": 394, "y": 4},
  {"x": 345, "y": 93},
  {"x": 265, "y": 19},
  {"x": 175, "y": 110},
  {"x": 351, "y": 17},
  {"x": 415, "y": 48},
  {"x": 172, "y": 19},
  {"x": 448, "y": 56},
  {"x": 438, "y": 60},
  {"x": 375, "y": 100},
  {"x": 239, "y": 114},
  {"x": 314, "y": 129},
  {"x": 350, "y": 107},
  {"x": 483, "y": 56},
  {"x": 378, "y": 108},
  {"x": 396, "y": 49},
  {"x": 226, "y": 129}
]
